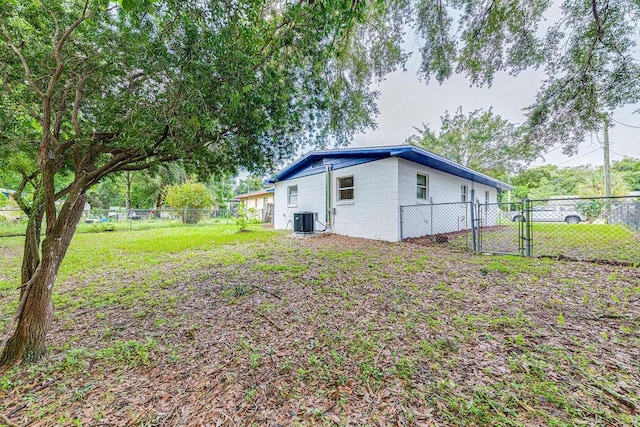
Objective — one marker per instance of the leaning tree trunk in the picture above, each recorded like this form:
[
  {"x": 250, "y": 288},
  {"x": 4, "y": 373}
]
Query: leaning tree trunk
[
  {"x": 31, "y": 256},
  {"x": 35, "y": 310}
]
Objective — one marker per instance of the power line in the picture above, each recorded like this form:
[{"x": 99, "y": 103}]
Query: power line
[
  {"x": 626, "y": 156},
  {"x": 552, "y": 150},
  {"x": 625, "y": 124},
  {"x": 577, "y": 157}
]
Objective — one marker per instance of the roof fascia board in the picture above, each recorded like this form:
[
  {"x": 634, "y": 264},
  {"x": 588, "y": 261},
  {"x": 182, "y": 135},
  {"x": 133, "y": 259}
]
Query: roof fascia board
[{"x": 304, "y": 165}]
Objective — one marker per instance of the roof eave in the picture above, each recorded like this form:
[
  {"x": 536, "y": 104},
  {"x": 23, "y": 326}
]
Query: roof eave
[{"x": 401, "y": 151}]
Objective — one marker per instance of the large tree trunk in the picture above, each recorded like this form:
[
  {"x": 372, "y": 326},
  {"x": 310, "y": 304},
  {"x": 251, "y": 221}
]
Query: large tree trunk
[
  {"x": 31, "y": 256},
  {"x": 35, "y": 310}
]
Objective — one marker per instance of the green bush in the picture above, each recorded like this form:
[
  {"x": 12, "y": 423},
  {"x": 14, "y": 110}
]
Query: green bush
[
  {"x": 190, "y": 196},
  {"x": 592, "y": 209},
  {"x": 241, "y": 217}
]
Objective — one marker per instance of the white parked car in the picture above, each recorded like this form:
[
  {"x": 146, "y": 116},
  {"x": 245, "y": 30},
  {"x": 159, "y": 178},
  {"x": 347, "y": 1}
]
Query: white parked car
[{"x": 552, "y": 213}]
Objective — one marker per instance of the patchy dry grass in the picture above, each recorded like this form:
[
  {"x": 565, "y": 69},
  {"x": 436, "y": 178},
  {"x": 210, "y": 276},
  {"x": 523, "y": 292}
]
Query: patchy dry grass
[{"x": 262, "y": 328}]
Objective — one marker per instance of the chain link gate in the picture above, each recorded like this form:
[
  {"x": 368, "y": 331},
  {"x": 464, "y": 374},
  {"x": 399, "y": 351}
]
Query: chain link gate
[{"x": 502, "y": 228}]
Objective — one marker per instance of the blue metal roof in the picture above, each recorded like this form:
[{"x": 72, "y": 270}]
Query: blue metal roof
[{"x": 316, "y": 162}]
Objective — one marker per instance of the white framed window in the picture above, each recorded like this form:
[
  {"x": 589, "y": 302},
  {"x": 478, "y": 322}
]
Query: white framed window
[
  {"x": 255, "y": 203},
  {"x": 292, "y": 195},
  {"x": 345, "y": 188},
  {"x": 422, "y": 186},
  {"x": 464, "y": 193}
]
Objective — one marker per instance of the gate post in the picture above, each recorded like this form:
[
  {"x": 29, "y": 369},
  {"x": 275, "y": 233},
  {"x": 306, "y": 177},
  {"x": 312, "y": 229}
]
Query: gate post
[
  {"x": 527, "y": 227},
  {"x": 401, "y": 220},
  {"x": 474, "y": 244}
]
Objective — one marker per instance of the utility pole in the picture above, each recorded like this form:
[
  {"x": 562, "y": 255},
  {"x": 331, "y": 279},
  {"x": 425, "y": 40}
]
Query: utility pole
[{"x": 607, "y": 172}]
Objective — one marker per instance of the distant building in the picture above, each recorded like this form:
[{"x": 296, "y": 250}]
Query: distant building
[{"x": 259, "y": 204}]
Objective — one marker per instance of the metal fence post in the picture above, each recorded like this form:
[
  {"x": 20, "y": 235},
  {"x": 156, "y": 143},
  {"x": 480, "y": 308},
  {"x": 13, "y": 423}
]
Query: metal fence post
[
  {"x": 472, "y": 207},
  {"x": 401, "y": 220},
  {"x": 527, "y": 227},
  {"x": 431, "y": 217}
]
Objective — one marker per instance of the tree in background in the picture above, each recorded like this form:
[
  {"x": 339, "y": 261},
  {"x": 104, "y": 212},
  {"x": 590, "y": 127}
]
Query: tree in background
[
  {"x": 222, "y": 187},
  {"x": 249, "y": 184},
  {"x": 591, "y": 209},
  {"x": 547, "y": 181},
  {"x": 190, "y": 197},
  {"x": 93, "y": 87},
  {"x": 145, "y": 190},
  {"x": 480, "y": 140},
  {"x": 148, "y": 186},
  {"x": 110, "y": 191},
  {"x": 629, "y": 169}
]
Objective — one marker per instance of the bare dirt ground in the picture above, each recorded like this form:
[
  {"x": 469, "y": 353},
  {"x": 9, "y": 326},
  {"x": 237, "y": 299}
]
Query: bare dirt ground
[{"x": 338, "y": 331}]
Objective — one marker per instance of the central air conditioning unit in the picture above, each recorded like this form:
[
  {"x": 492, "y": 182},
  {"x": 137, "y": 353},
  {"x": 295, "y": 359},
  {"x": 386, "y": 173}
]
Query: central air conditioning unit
[{"x": 304, "y": 222}]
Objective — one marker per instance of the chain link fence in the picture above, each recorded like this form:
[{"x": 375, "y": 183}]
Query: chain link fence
[
  {"x": 13, "y": 222},
  {"x": 438, "y": 223},
  {"x": 604, "y": 229},
  {"x": 600, "y": 229}
]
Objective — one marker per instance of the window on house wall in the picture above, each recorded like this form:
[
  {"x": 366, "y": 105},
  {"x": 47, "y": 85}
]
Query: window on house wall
[
  {"x": 464, "y": 193},
  {"x": 487, "y": 197},
  {"x": 345, "y": 188},
  {"x": 422, "y": 186},
  {"x": 255, "y": 203},
  {"x": 292, "y": 195}
]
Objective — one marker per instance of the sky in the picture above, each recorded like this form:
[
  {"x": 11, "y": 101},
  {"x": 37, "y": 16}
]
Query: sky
[{"x": 406, "y": 102}]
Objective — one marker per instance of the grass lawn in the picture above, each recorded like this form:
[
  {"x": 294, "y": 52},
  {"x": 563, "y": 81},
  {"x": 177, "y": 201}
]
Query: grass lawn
[
  {"x": 203, "y": 325},
  {"x": 18, "y": 228},
  {"x": 601, "y": 242}
]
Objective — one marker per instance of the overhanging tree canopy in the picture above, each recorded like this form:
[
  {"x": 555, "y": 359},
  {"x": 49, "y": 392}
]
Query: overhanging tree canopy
[
  {"x": 91, "y": 88},
  {"x": 588, "y": 52}
]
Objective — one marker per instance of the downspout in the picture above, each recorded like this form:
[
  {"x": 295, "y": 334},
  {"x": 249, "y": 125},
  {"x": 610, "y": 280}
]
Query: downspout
[{"x": 327, "y": 194}]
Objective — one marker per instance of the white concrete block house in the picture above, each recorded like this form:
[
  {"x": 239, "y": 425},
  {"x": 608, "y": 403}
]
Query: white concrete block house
[{"x": 359, "y": 191}]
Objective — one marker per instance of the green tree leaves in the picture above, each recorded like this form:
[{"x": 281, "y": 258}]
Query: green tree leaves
[
  {"x": 190, "y": 195},
  {"x": 480, "y": 140},
  {"x": 546, "y": 181},
  {"x": 588, "y": 51}
]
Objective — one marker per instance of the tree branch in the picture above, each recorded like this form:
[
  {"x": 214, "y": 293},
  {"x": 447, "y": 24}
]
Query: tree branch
[
  {"x": 23, "y": 61},
  {"x": 57, "y": 126},
  {"x": 76, "y": 104},
  {"x": 63, "y": 192},
  {"x": 28, "y": 109},
  {"x": 67, "y": 33},
  {"x": 56, "y": 33},
  {"x": 147, "y": 165},
  {"x": 18, "y": 196},
  {"x": 47, "y": 97}
]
